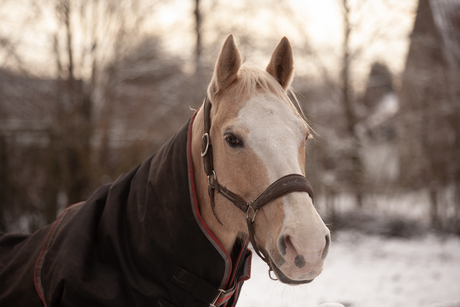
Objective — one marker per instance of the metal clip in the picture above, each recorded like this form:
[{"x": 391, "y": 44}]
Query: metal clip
[
  {"x": 254, "y": 212},
  {"x": 205, "y": 136},
  {"x": 215, "y": 178},
  {"x": 270, "y": 274},
  {"x": 213, "y": 304}
]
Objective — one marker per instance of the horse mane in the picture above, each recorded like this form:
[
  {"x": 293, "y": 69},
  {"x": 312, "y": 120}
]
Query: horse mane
[{"x": 251, "y": 80}]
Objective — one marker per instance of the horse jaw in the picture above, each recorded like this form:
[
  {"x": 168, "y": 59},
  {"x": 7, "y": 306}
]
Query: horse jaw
[{"x": 226, "y": 236}]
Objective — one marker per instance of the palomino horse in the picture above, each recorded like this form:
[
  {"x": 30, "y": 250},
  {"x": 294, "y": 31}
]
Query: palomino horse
[{"x": 169, "y": 233}]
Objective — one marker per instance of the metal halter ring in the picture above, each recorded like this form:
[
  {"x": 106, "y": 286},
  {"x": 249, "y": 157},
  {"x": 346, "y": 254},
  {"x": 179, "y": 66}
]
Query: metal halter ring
[
  {"x": 270, "y": 274},
  {"x": 254, "y": 212},
  {"x": 215, "y": 177},
  {"x": 205, "y": 136}
]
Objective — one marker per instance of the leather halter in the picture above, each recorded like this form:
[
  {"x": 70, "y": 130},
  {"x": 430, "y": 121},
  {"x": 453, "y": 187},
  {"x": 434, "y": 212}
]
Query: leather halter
[{"x": 284, "y": 185}]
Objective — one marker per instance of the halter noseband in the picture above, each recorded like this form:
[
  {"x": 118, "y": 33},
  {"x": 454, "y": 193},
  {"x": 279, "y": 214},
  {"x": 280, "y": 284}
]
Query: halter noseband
[{"x": 284, "y": 185}]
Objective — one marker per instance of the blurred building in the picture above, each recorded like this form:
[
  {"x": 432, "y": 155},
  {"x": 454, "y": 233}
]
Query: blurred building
[
  {"x": 429, "y": 119},
  {"x": 377, "y": 129},
  {"x": 62, "y": 138},
  {"x": 34, "y": 146}
]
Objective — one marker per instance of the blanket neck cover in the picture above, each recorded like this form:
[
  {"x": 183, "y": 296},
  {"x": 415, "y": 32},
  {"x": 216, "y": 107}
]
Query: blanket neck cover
[{"x": 140, "y": 241}]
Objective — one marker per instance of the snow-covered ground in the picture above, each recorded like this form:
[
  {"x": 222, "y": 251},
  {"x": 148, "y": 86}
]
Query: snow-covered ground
[{"x": 370, "y": 271}]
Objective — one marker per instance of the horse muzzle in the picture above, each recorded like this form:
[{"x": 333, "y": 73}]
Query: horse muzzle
[{"x": 296, "y": 263}]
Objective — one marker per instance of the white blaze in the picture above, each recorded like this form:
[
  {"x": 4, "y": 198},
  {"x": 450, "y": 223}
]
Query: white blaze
[{"x": 275, "y": 134}]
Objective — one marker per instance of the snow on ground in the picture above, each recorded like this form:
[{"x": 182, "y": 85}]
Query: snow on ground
[{"x": 369, "y": 271}]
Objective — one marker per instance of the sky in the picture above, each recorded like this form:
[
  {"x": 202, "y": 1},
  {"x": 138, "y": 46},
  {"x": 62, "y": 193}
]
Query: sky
[{"x": 380, "y": 30}]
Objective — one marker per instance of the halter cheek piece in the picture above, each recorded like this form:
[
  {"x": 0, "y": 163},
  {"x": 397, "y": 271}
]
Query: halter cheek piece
[{"x": 284, "y": 185}]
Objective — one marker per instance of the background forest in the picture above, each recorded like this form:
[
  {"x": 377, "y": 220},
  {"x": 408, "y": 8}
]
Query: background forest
[{"x": 91, "y": 88}]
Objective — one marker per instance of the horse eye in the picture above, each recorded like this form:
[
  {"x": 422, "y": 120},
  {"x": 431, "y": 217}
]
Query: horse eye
[
  {"x": 233, "y": 140},
  {"x": 306, "y": 139}
]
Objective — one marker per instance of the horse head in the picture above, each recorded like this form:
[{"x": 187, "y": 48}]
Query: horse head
[{"x": 257, "y": 137}]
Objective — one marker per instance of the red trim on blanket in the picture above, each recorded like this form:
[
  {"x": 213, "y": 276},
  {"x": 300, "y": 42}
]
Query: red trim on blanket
[
  {"x": 41, "y": 295},
  {"x": 243, "y": 278},
  {"x": 195, "y": 200},
  {"x": 40, "y": 257}
]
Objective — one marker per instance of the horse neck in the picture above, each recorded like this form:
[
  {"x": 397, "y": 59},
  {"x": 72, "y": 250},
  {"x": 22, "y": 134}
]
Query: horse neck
[{"x": 226, "y": 237}]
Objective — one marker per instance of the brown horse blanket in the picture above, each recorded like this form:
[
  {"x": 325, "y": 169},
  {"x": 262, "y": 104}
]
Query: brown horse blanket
[{"x": 140, "y": 241}]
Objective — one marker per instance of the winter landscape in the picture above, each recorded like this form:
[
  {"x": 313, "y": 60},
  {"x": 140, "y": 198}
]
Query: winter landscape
[
  {"x": 383, "y": 256},
  {"x": 370, "y": 271},
  {"x": 91, "y": 88}
]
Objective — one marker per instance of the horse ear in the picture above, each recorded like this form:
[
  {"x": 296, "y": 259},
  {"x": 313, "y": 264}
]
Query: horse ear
[
  {"x": 227, "y": 66},
  {"x": 281, "y": 65}
]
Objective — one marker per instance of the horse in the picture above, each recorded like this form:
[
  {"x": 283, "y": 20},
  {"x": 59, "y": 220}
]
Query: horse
[{"x": 175, "y": 230}]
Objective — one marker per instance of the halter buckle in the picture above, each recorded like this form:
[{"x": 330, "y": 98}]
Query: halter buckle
[
  {"x": 205, "y": 138},
  {"x": 254, "y": 212}
]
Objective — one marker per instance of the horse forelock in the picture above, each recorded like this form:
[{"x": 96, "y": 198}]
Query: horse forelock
[{"x": 252, "y": 81}]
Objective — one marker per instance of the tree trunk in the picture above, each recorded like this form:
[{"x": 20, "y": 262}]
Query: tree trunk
[
  {"x": 330, "y": 207},
  {"x": 198, "y": 46},
  {"x": 4, "y": 171},
  {"x": 435, "y": 219},
  {"x": 357, "y": 164},
  {"x": 53, "y": 176}
]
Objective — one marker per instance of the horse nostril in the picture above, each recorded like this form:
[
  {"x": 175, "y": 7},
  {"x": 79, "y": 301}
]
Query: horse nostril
[
  {"x": 286, "y": 246},
  {"x": 326, "y": 248},
  {"x": 282, "y": 245},
  {"x": 299, "y": 261}
]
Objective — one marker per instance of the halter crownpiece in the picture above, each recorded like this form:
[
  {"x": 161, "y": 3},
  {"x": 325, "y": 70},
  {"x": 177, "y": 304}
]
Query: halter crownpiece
[{"x": 284, "y": 185}]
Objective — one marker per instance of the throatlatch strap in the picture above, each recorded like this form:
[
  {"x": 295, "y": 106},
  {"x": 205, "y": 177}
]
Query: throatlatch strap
[{"x": 206, "y": 146}]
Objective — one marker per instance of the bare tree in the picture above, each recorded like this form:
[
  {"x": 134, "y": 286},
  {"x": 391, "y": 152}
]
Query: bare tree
[
  {"x": 349, "y": 109},
  {"x": 88, "y": 37},
  {"x": 198, "y": 30}
]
